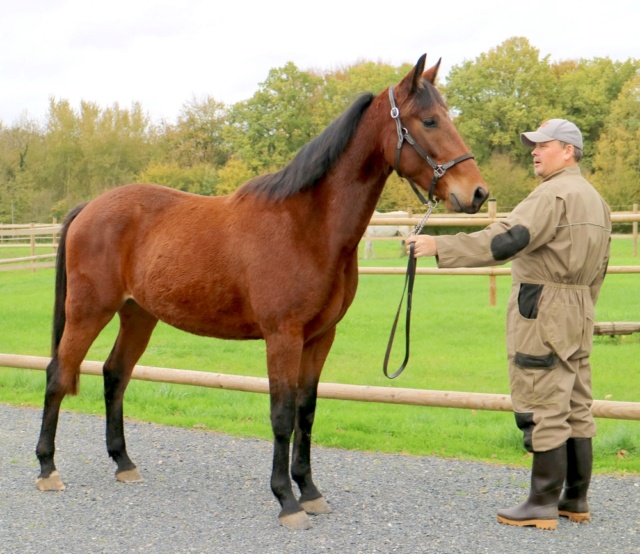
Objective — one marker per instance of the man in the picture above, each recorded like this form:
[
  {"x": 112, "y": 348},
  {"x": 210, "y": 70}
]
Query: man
[{"x": 558, "y": 239}]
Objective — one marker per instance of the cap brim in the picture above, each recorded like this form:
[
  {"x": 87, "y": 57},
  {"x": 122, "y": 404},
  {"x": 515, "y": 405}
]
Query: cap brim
[{"x": 534, "y": 137}]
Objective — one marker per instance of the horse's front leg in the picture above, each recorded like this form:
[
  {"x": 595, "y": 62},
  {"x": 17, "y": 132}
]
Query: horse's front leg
[
  {"x": 284, "y": 353},
  {"x": 314, "y": 356}
]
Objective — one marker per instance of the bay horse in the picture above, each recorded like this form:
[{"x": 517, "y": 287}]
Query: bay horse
[{"x": 276, "y": 260}]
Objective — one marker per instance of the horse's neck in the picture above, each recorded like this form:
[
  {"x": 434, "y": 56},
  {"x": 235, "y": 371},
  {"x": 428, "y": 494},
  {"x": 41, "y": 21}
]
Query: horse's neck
[{"x": 353, "y": 187}]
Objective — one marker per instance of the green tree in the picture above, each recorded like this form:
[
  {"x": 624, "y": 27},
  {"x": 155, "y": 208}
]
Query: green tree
[
  {"x": 498, "y": 95},
  {"x": 267, "y": 130},
  {"x": 20, "y": 152},
  {"x": 233, "y": 175},
  {"x": 342, "y": 86},
  {"x": 114, "y": 147},
  {"x": 198, "y": 137},
  {"x": 508, "y": 182},
  {"x": 617, "y": 156},
  {"x": 199, "y": 179},
  {"x": 585, "y": 92},
  {"x": 63, "y": 153}
]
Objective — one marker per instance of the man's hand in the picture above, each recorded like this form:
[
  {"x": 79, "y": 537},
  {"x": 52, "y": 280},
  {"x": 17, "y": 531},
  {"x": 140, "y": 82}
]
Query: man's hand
[{"x": 425, "y": 245}]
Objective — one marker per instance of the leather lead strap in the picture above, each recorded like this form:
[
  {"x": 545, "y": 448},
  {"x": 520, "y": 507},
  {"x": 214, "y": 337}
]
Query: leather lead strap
[{"x": 408, "y": 288}]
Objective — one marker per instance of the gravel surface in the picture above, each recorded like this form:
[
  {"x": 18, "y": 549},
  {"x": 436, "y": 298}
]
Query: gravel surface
[{"x": 205, "y": 492}]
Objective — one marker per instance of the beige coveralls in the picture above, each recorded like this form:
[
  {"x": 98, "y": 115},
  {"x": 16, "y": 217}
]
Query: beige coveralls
[{"x": 558, "y": 239}]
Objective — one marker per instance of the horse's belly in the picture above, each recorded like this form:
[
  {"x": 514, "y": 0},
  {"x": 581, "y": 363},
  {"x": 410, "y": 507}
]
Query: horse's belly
[
  {"x": 199, "y": 307},
  {"x": 200, "y": 320}
]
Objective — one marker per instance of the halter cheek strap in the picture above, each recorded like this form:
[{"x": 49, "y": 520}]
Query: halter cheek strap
[{"x": 438, "y": 169}]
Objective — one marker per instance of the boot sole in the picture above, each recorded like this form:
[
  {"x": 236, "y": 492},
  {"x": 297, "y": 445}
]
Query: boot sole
[
  {"x": 575, "y": 516},
  {"x": 547, "y": 524}
]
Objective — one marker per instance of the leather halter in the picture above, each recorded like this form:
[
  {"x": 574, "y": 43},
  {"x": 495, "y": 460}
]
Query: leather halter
[{"x": 438, "y": 169}]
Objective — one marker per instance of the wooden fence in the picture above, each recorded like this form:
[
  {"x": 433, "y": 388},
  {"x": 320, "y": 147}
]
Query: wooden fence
[
  {"x": 393, "y": 395},
  {"x": 388, "y": 395},
  {"x": 36, "y": 237}
]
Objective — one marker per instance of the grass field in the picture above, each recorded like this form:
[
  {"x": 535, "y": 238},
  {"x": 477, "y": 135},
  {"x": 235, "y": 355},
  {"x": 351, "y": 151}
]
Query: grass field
[{"x": 457, "y": 344}]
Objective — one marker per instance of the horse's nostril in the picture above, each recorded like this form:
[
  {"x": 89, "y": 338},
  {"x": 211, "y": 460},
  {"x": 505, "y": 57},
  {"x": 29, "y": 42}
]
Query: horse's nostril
[{"x": 479, "y": 196}]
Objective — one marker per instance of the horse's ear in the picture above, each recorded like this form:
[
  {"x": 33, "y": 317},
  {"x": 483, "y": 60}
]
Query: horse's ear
[
  {"x": 431, "y": 73},
  {"x": 416, "y": 74}
]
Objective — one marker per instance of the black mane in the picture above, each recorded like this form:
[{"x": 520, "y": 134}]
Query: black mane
[{"x": 313, "y": 160}]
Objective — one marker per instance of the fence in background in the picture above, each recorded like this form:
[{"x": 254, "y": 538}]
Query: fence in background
[
  {"x": 44, "y": 236},
  {"x": 388, "y": 395}
]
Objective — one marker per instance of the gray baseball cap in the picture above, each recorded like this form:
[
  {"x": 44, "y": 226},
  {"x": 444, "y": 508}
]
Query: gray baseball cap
[{"x": 554, "y": 129}]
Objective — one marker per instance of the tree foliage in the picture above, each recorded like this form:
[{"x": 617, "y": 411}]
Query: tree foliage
[
  {"x": 268, "y": 129},
  {"x": 497, "y": 96},
  {"x": 617, "y": 158},
  {"x": 211, "y": 148}
]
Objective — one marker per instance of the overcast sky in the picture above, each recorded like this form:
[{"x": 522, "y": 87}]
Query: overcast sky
[{"x": 164, "y": 53}]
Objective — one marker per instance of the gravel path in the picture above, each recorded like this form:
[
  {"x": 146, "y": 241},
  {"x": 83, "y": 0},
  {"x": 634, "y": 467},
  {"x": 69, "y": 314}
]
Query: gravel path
[{"x": 209, "y": 493}]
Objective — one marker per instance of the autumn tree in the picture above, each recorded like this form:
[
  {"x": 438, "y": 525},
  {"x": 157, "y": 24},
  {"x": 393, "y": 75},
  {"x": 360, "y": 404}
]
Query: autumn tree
[
  {"x": 20, "y": 151},
  {"x": 198, "y": 136},
  {"x": 617, "y": 153}
]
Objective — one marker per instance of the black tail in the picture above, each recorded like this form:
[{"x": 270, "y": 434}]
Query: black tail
[{"x": 59, "y": 317}]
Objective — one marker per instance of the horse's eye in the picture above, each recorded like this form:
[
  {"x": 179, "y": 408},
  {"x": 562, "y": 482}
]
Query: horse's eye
[{"x": 430, "y": 123}]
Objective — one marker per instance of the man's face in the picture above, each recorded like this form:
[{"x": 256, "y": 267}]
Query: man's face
[{"x": 549, "y": 157}]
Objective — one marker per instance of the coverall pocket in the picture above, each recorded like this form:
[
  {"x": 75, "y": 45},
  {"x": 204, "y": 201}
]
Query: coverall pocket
[
  {"x": 534, "y": 379},
  {"x": 528, "y": 297}
]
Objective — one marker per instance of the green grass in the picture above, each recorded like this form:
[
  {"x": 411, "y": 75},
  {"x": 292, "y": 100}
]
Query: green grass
[{"x": 457, "y": 344}]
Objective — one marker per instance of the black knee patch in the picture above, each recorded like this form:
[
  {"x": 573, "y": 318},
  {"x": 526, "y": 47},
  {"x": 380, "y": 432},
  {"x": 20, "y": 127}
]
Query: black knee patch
[{"x": 525, "y": 423}]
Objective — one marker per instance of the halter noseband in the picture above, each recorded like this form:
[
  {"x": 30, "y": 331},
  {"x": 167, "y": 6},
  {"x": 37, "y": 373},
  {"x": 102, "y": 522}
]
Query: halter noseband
[{"x": 438, "y": 170}]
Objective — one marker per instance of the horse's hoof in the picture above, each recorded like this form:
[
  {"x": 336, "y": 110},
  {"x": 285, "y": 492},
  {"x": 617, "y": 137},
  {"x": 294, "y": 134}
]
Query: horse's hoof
[
  {"x": 316, "y": 507},
  {"x": 296, "y": 522},
  {"x": 129, "y": 476},
  {"x": 51, "y": 483}
]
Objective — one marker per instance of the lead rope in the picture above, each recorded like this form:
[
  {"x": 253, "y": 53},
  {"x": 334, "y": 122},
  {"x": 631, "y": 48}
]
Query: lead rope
[{"x": 408, "y": 287}]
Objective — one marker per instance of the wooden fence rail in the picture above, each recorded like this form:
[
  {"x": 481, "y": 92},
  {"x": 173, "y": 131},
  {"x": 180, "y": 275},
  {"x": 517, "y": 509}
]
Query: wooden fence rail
[
  {"x": 388, "y": 395},
  {"x": 51, "y": 230}
]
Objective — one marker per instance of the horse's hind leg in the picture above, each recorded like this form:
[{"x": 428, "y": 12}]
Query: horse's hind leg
[
  {"x": 136, "y": 326},
  {"x": 313, "y": 359},
  {"x": 49, "y": 480},
  {"x": 62, "y": 378}
]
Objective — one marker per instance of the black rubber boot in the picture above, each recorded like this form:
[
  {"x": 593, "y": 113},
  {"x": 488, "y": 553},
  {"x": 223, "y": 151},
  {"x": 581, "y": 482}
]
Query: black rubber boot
[
  {"x": 573, "y": 500},
  {"x": 541, "y": 508}
]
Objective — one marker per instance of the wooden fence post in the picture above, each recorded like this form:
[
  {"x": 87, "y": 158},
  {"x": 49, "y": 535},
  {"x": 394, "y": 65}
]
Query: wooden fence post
[
  {"x": 634, "y": 226},
  {"x": 493, "y": 210},
  {"x": 32, "y": 241},
  {"x": 54, "y": 236}
]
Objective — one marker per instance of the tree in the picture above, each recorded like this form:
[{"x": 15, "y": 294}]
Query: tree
[
  {"x": 267, "y": 130},
  {"x": 198, "y": 137},
  {"x": 344, "y": 85},
  {"x": 497, "y": 96},
  {"x": 198, "y": 179},
  {"x": 20, "y": 150},
  {"x": 509, "y": 183},
  {"x": 233, "y": 175},
  {"x": 617, "y": 153},
  {"x": 585, "y": 91}
]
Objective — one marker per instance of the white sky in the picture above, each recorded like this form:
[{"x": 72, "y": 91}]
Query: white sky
[{"x": 164, "y": 53}]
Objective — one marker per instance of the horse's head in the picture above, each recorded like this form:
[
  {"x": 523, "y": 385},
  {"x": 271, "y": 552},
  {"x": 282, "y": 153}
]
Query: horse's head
[{"x": 424, "y": 145}]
